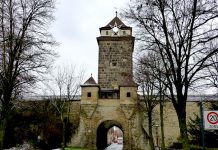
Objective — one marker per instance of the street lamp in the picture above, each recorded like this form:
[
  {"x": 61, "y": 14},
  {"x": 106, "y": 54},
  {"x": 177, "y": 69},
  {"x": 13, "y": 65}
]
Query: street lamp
[
  {"x": 156, "y": 127},
  {"x": 202, "y": 123}
]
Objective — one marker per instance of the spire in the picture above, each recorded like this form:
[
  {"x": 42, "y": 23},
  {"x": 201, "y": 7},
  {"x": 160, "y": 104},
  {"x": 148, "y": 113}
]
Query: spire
[
  {"x": 115, "y": 21},
  {"x": 90, "y": 81}
]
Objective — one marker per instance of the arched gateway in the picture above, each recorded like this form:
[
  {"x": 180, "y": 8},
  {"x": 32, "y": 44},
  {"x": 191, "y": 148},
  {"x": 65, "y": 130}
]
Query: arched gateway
[
  {"x": 102, "y": 139},
  {"x": 113, "y": 100}
]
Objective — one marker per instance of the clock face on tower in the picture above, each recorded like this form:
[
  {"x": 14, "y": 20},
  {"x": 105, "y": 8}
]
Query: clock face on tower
[{"x": 115, "y": 28}]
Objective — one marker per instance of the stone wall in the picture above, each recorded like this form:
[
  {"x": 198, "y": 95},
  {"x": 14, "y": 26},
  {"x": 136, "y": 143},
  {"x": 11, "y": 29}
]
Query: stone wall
[
  {"x": 115, "y": 60},
  {"x": 133, "y": 122},
  {"x": 126, "y": 117},
  {"x": 171, "y": 125},
  {"x": 74, "y": 114}
]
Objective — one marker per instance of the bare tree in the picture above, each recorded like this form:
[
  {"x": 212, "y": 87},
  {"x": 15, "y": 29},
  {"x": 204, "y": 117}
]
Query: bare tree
[
  {"x": 26, "y": 49},
  {"x": 65, "y": 86},
  {"x": 148, "y": 75},
  {"x": 181, "y": 32},
  {"x": 148, "y": 86},
  {"x": 213, "y": 72},
  {"x": 154, "y": 66}
]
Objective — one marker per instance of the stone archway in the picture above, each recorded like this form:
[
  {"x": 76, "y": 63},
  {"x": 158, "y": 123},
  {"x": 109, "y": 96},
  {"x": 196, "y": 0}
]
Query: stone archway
[{"x": 102, "y": 130}]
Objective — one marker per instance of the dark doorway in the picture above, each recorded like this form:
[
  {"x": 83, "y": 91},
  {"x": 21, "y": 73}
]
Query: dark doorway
[{"x": 102, "y": 133}]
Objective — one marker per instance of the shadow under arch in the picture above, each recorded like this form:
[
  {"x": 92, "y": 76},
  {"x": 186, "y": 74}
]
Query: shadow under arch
[{"x": 101, "y": 141}]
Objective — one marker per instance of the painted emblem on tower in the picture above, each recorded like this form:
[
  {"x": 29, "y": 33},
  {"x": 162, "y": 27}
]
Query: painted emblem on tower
[
  {"x": 115, "y": 28},
  {"x": 112, "y": 102}
]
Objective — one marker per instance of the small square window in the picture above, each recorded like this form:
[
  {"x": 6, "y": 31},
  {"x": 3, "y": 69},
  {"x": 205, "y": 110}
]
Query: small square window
[
  {"x": 128, "y": 94},
  {"x": 89, "y": 94},
  {"x": 114, "y": 64}
]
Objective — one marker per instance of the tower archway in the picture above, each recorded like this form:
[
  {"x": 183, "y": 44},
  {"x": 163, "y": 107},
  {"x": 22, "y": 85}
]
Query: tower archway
[{"x": 102, "y": 133}]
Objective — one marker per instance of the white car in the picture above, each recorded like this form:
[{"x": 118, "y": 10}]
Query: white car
[{"x": 120, "y": 140}]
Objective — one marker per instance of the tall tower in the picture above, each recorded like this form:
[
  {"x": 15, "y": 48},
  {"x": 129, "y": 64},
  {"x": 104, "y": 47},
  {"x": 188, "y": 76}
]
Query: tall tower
[
  {"x": 116, "y": 45},
  {"x": 113, "y": 101}
]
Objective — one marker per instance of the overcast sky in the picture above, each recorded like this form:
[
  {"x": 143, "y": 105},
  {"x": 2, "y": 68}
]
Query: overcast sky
[{"x": 76, "y": 27}]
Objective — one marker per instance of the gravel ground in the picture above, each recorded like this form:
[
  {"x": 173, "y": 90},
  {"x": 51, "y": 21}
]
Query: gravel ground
[{"x": 25, "y": 146}]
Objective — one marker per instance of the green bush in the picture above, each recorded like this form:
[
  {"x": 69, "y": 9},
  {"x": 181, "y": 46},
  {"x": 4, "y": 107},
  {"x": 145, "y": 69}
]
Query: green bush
[{"x": 33, "y": 119}]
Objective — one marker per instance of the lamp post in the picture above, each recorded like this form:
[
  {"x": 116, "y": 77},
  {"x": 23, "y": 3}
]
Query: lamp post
[
  {"x": 202, "y": 124},
  {"x": 157, "y": 138}
]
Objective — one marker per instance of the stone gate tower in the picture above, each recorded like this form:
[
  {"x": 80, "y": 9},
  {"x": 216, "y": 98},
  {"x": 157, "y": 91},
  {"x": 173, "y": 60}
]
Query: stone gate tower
[
  {"x": 113, "y": 101},
  {"x": 116, "y": 45}
]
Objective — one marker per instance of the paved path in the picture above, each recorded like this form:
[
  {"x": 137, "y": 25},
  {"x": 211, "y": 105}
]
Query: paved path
[{"x": 115, "y": 146}]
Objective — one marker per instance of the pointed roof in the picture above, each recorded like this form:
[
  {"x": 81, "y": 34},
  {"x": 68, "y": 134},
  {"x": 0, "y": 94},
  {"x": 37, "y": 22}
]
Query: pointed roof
[
  {"x": 116, "y": 21},
  {"x": 90, "y": 81},
  {"x": 127, "y": 81}
]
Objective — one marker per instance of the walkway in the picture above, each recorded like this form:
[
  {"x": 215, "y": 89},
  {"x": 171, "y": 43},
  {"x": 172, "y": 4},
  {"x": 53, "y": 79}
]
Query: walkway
[{"x": 115, "y": 146}]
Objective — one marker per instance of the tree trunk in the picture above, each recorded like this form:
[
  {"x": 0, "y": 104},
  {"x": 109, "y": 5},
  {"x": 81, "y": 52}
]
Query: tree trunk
[
  {"x": 162, "y": 124},
  {"x": 151, "y": 139},
  {"x": 183, "y": 129},
  {"x": 2, "y": 132},
  {"x": 6, "y": 108},
  {"x": 64, "y": 141},
  {"x": 63, "y": 132}
]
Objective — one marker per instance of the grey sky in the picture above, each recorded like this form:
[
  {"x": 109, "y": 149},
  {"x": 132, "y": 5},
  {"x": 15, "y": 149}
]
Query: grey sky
[{"x": 76, "y": 28}]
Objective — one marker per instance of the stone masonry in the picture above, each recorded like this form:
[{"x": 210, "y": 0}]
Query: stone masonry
[
  {"x": 114, "y": 100},
  {"x": 115, "y": 60}
]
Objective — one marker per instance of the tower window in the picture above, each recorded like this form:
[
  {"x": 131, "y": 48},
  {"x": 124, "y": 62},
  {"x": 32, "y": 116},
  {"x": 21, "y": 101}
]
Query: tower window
[
  {"x": 89, "y": 94},
  {"x": 128, "y": 94},
  {"x": 106, "y": 32},
  {"x": 114, "y": 64},
  {"x": 124, "y": 32}
]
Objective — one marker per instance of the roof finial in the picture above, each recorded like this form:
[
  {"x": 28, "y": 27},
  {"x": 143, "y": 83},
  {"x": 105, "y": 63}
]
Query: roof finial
[
  {"x": 116, "y": 13},
  {"x": 91, "y": 74}
]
